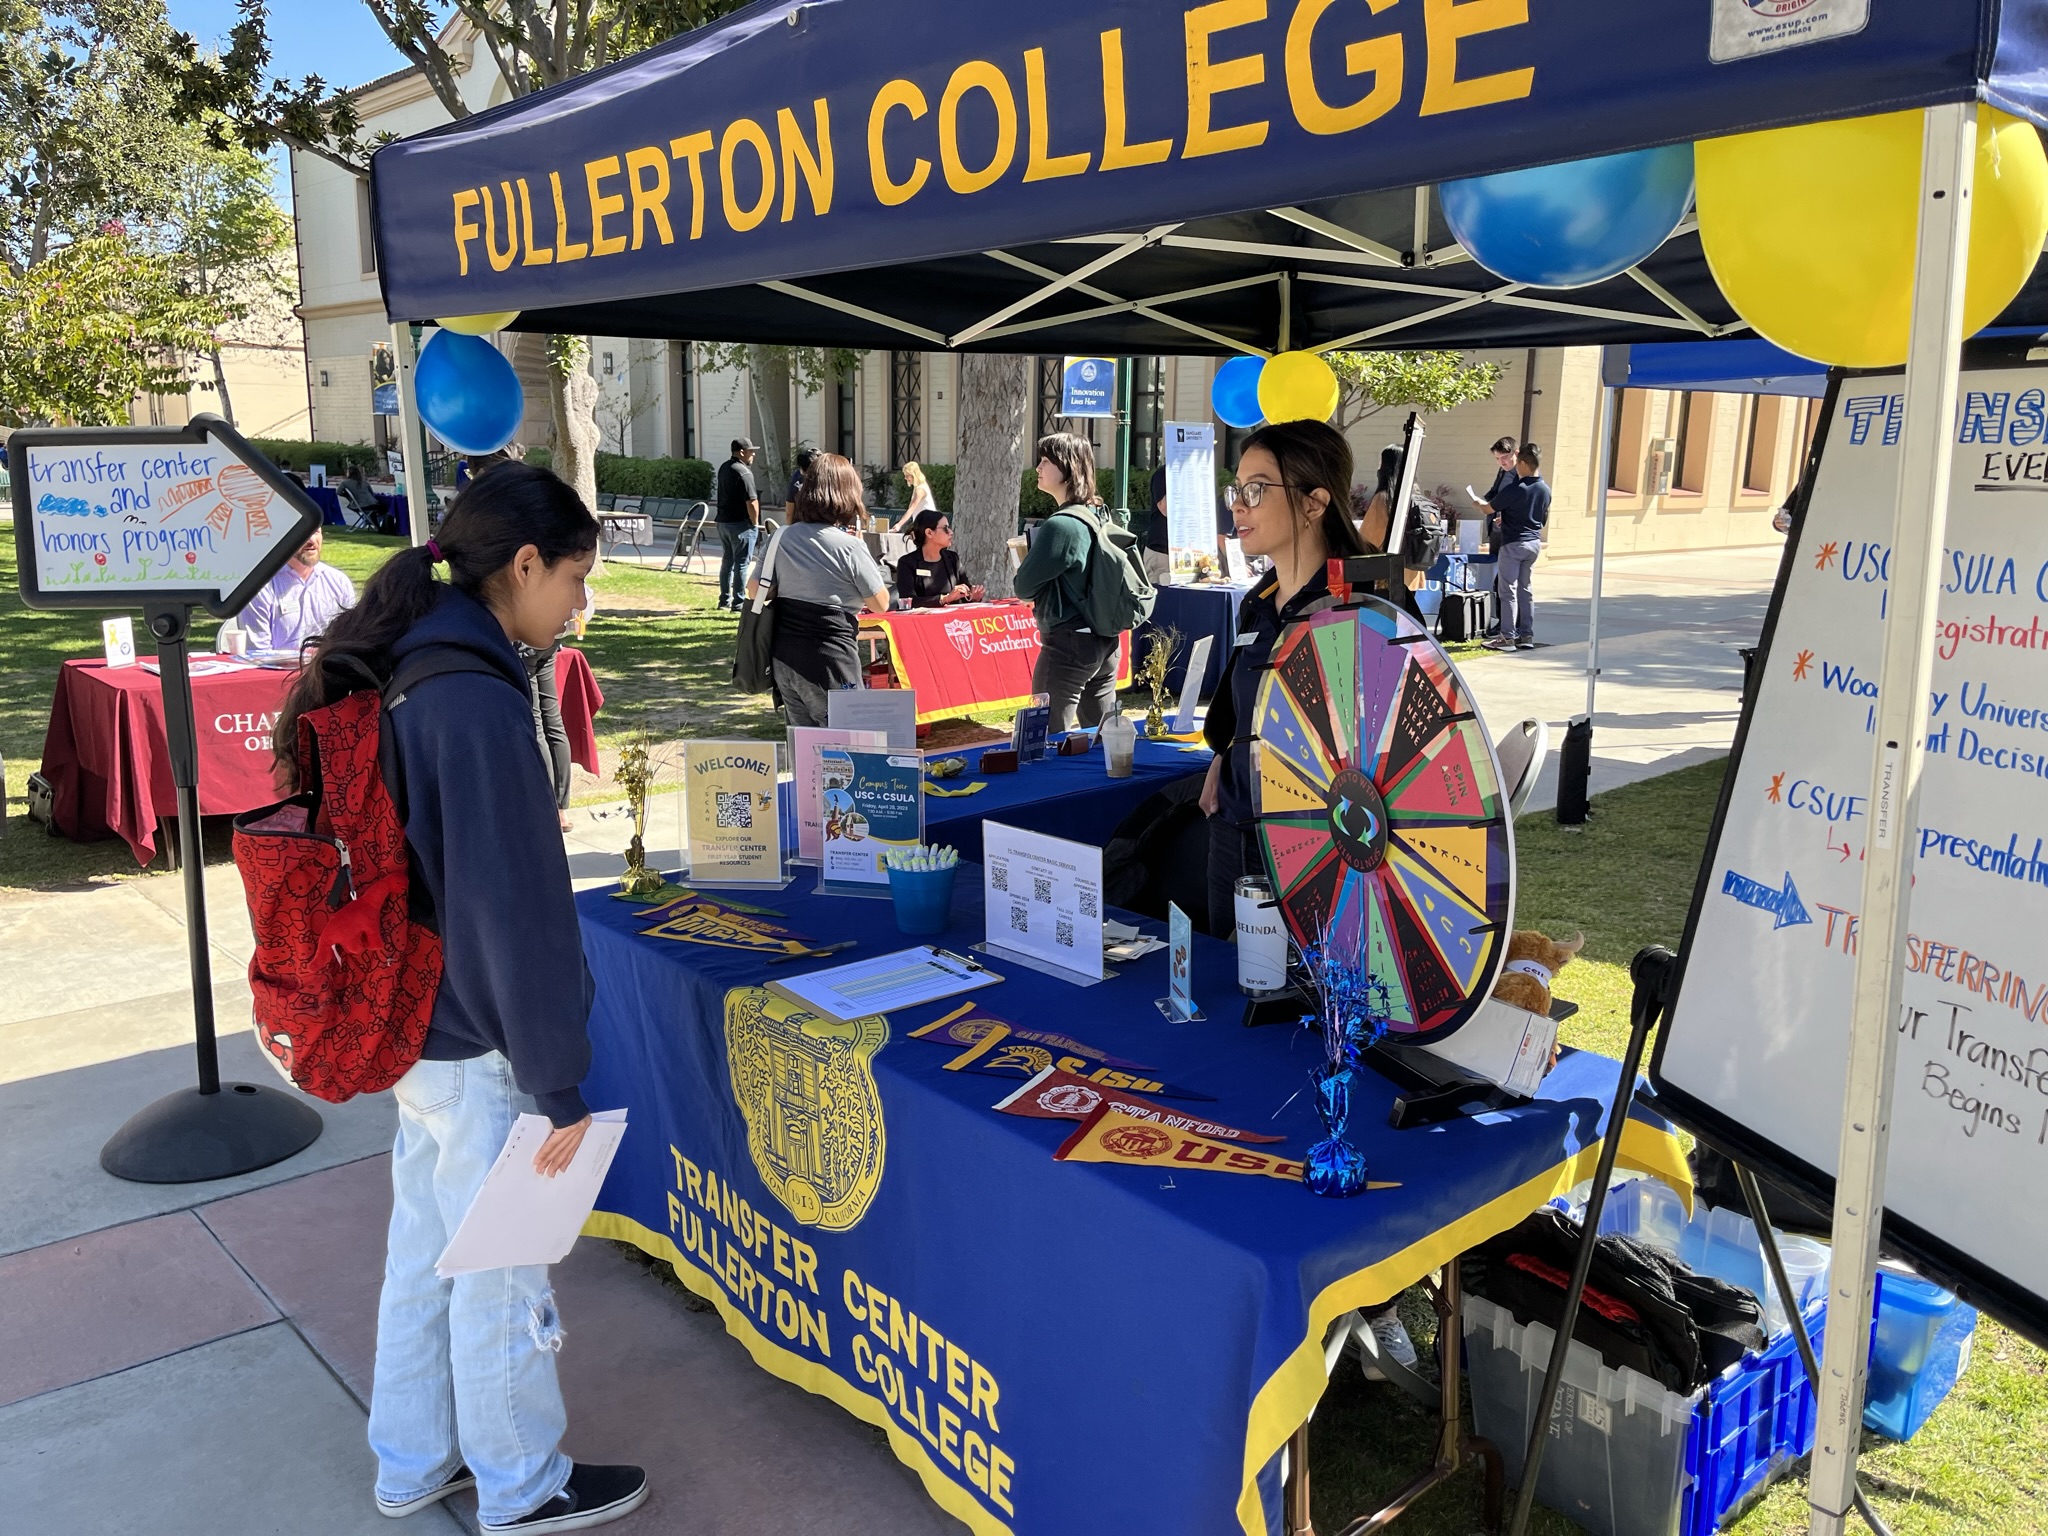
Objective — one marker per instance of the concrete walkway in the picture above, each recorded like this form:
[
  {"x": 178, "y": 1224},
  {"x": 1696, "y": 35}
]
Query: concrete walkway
[{"x": 130, "y": 1313}]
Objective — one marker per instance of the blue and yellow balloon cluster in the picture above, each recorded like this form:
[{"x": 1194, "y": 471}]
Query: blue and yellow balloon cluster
[{"x": 469, "y": 396}]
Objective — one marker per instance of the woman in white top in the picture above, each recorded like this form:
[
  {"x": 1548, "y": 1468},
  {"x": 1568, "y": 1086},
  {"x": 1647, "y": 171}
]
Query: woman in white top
[{"x": 920, "y": 497}]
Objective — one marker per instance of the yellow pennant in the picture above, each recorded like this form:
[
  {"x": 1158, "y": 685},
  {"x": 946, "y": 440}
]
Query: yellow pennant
[{"x": 1112, "y": 1136}]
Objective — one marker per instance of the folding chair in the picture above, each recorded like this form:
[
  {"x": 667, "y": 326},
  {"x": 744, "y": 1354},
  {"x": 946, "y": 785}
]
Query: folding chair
[{"x": 1521, "y": 750}]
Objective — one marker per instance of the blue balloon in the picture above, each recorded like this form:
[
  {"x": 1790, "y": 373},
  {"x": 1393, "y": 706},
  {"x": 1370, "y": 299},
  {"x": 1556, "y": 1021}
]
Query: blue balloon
[
  {"x": 1564, "y": 226},
  {"x": 1235, "y": 394},
  {"x": 469, "y": 396}
]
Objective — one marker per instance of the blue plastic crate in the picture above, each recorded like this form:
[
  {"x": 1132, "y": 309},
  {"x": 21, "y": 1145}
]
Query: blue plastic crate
[
  {"x": 1920, "y": 1344},
  {"x": 1751, "y": 1424}
]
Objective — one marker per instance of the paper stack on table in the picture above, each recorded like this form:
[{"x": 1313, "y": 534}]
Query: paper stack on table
[
  {"x": 1123, "y": 941},
  {"x": 519, "y": 1217}
]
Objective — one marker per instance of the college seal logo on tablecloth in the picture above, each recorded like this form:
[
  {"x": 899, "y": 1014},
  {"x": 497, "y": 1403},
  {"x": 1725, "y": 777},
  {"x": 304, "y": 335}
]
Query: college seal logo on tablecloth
[{"x": 805, "y": 1085}]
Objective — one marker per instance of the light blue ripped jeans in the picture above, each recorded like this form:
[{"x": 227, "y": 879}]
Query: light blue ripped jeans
[{"x": 465, "y": 1367}]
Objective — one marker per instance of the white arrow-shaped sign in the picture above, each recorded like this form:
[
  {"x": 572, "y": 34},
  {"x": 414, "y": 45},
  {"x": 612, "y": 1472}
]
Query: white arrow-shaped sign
[{"x": 115, "y": 517}]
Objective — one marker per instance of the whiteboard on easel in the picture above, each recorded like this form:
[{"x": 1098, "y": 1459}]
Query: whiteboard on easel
[{"x": 1755, "y": 1048}]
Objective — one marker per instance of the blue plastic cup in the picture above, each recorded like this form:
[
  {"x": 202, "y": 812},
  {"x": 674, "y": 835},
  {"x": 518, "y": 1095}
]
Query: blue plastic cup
[{"x": 923, "y": 898}]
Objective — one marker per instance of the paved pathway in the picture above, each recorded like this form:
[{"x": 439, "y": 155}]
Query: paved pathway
[{"x": 130, "y": 1313}]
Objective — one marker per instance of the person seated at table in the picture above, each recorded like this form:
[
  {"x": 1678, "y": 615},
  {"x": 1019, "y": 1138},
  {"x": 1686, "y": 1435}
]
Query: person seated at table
[
  {"x": 930, "y": 575},
  {"x": 354, "y": 492},
  {"x": 465, "y": 1392},
  {"x": 298, "y": 603},
  {"x": 823, "y": 576}
]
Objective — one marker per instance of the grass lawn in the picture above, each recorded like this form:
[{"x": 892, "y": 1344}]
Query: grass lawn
[{"x": 662, "y": 653}]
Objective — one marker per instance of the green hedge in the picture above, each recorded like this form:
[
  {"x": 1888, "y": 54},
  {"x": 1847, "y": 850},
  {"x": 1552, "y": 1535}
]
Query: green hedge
[
  {"x": 623, "y": 475},
  {"x": 299, "y": 454}
]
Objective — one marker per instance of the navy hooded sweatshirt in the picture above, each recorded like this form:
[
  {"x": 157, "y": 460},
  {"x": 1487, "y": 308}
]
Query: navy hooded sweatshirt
[{"x": 481, "y": 825}]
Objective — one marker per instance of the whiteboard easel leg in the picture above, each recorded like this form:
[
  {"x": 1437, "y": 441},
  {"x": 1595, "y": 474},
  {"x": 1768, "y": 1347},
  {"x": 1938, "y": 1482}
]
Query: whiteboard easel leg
[{"x": 1919, "y": 524}]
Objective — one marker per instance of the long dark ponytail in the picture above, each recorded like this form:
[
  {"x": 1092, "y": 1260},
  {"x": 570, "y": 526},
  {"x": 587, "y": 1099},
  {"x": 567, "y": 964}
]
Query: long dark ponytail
[{"x": 498, "y": 515}]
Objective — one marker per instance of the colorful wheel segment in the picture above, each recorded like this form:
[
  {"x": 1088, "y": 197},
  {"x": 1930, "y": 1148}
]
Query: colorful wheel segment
[{"x": 1380, "y": 811}]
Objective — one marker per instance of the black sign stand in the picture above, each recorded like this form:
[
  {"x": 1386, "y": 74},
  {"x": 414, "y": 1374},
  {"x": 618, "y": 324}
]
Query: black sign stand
[{"x": 218, "y": 1130}]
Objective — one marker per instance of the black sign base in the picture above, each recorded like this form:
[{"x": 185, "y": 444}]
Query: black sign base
[{"x": 190, "y": 1137}]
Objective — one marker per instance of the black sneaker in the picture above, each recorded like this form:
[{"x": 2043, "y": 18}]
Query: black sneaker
[
  {"x": 594, "y": 1496},
  {"x": 458, "y": 1480}
]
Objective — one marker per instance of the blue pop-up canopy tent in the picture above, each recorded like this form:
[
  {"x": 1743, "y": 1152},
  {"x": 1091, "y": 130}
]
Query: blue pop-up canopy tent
[
  {"x": 1237, "y": 175},
  {"x": 1127, "y": 177}
]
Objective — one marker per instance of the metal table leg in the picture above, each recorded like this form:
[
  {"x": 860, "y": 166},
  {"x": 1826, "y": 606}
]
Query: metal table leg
[{"x": 1454, "y": 1446}]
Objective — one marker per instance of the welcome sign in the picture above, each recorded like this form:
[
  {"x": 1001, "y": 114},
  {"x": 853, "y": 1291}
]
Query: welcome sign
[{"x": 112, "y": 517}]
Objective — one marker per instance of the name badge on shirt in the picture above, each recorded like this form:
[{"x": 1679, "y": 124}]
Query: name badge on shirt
[
  {"x": 923, "y": 572},
  {"x": 1246, "y": 638}
]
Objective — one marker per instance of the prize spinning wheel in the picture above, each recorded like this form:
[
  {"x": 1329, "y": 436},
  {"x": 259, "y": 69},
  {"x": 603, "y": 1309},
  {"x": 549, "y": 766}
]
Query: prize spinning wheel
[{"x": 1381, "y": 813}]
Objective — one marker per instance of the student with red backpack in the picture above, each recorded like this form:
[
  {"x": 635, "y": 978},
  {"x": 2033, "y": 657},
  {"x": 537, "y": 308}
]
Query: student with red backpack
[{"x": 446, "y": 964}]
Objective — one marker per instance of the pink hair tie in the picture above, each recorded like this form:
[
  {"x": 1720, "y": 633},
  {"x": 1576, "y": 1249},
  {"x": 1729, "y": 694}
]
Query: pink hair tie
[{"x": 434, "y": 555}]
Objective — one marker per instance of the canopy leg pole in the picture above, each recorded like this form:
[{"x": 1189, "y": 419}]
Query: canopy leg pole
[
  {"x": 1919, "y": 523},
  {"x": 1610, "y": 402},
  {"x": 412, "y": 440}
]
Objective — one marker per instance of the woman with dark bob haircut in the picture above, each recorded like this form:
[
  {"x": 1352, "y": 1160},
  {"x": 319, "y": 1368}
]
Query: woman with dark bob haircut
[
  {"x": 465, "y": 1393},
  {"x": 821, "y": 576}
]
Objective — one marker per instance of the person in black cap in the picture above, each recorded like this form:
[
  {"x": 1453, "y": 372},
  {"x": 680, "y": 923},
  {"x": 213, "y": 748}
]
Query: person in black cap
[{"x": 739, "y": 522}]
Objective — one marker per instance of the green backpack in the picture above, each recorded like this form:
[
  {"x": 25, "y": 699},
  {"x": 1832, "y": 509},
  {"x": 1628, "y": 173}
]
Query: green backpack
[{"x": 1118, "y": 594}]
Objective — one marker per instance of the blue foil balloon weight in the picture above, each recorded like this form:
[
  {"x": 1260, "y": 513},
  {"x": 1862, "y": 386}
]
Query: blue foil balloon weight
[
  {"x": 1235, "y": 394},
  {"x": 1333, "y": 1167},
  {"x": 469, "y": 396},
  {"x": 1565, "y": 226}
]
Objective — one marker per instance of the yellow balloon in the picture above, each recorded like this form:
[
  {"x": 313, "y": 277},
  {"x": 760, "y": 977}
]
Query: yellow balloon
[
  {"x": 1297, "y": 386},
  {"x": 478, "y": 325},
  {"x": 1810, "y": 231}
]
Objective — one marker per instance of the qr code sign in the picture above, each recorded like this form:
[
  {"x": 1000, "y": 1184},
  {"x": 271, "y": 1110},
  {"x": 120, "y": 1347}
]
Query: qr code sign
[
  {"x": 1063, "y": 932},
  {"x": 1090, "y": 902},
  {"x": 1041, "y": 888},
  {"x": 1020, "y": 920},
  {"x": 735, "y": 809},
  {"x": 999, "y": 876}
]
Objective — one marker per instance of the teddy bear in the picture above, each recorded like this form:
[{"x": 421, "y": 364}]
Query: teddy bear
[{"x": 1533, "y": 962}]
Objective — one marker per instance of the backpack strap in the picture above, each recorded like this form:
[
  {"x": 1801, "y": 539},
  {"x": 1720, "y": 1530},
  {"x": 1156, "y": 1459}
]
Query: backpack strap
[{"x": 436, "y": 661}]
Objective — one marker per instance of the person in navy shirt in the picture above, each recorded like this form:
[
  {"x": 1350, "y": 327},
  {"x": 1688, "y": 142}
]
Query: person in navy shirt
[{"x": 1520, "y": 512}]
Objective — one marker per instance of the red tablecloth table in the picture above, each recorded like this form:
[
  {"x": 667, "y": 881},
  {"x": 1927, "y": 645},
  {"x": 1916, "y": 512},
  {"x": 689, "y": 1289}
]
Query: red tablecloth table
[
  {"x": 109, "y": 764},
  {"x": 971, "y": 656}
]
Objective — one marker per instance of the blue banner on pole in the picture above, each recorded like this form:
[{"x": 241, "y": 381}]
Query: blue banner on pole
[
  {"x": 384, "y": 400},
  {"x": 1088, "y": 386}
]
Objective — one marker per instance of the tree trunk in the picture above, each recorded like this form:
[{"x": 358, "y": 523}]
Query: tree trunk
[
  {"x": 994, "y": 415},
  {"x": 572, "y": 393},
  {"x": 768, "y": 376},
  {"x": 220, "y": 387}
]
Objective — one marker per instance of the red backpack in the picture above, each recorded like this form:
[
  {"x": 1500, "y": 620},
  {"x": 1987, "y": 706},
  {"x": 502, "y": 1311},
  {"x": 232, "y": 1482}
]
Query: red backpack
[{"x": 344, "y": 975}]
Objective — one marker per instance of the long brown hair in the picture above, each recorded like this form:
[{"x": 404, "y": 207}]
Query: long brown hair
[
  {"x": 1313, "y": 456},
  {"x": 830, "y": 494},
  {"x": 495, "y": 517},
  {"x": 1074, "y": 458}
]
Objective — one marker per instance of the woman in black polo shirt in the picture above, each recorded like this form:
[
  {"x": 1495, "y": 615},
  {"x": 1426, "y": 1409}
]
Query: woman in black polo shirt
[
  {"x": 930, "y": 575},
  {"x": 1292, "y": 503}
]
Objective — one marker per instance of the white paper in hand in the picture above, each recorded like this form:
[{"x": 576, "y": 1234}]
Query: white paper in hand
[{"x": 520, "y": 1217}]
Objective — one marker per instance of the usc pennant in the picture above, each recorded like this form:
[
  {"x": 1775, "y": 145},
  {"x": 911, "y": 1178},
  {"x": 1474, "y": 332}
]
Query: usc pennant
[{"x": 1110, "y": 1135}]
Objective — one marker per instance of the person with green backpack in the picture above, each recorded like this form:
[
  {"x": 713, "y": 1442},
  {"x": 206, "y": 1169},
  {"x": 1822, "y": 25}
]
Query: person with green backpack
[{"x": 1086, "y": 590}]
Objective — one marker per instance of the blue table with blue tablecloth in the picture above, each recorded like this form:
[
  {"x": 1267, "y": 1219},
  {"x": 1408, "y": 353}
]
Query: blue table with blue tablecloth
[
  {"x": 332, "y": 515},
  {"x": 1208, "y": 608},
  {"x": 1070, "y": 797},
  {"x": 1053, "y": 1347}
]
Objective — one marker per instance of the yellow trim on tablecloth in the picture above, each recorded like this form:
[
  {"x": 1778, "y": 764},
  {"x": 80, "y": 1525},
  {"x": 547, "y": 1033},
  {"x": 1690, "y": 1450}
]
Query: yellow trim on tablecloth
[
  {"x": 808, "y": 1374},
  {"x": 1290, "y": 1394}
]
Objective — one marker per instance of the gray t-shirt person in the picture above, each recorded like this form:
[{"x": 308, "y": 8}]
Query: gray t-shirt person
[{"x": 818, "y": 563}]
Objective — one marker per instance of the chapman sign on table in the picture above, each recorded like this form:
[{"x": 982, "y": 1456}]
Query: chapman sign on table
[
  {"x": 105, "y": 517},
  {"x": 1759, "y": 1033}
]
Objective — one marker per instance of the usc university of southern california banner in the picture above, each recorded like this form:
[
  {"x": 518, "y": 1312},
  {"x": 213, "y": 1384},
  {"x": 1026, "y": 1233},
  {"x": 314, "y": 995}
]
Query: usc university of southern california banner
[{"x": 976, "y": 656}]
